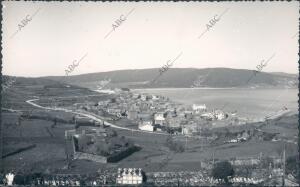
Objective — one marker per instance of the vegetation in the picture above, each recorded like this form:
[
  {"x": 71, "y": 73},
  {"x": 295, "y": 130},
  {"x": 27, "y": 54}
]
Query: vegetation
[
  {"x": 174, "y": 145},
  {"x": 266, "y": 161},
  {"x": 291, "y": 165},
  {"x": 223, "y": 170}
]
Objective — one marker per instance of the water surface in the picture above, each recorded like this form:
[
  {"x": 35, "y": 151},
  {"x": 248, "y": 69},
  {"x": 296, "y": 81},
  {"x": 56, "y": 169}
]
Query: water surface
[{"x": 249, "y": 103}]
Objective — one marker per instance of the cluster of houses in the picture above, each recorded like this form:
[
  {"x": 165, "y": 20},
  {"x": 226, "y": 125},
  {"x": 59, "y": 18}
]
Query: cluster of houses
[
  {"x": 243, "y": 136},
  {"x": 197, "y": 178},
  {"x": 245, "y": 180},
  {"x": 158, "y": 113}
]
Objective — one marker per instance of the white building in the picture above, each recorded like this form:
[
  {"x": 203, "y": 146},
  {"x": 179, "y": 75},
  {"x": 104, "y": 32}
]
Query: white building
[
  {"x": 199, "y": 108},
  {"x": 129, "y": 176},
  {"x": 186, "y": 131},
  {"x": 207, "y": 115},
  {"x": 9, "y": 179},
  {"x": 215, "y": 115},
  {"x": 155, "y": 97},
  {"x": 135, "y": 96},
  {"x": 159, "y": 118},
  {"x": 146, "y": 127},
  {"x": 143, "y": 97},
  {"x": 102, "y": 103},
  {"x": 219, "y": 115}
]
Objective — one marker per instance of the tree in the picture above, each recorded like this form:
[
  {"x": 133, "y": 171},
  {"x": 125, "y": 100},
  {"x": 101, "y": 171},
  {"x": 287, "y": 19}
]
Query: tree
[
  {"x": 174, "y": 145},
  {"x": 222, "y": 170},
  {"x": 54, "y": 122},
  {"x": 19, "y": 124},
  {"x": 266, "y": 161},
  {"x": 291, "y": 165},
  {"x": 19, "y": 179},
  {"x": 113, "y": 100},
  {"x": 114, "y": 133}
]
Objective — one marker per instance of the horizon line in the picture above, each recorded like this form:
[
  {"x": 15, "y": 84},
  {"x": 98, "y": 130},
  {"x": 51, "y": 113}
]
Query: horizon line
[{"x": 144, "y": 69}]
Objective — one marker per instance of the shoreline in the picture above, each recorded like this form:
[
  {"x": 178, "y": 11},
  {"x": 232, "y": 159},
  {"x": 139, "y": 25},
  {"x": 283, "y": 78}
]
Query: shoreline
[
  {"x": 211, "y": 88},
  {"x": 248, "y": 119}
]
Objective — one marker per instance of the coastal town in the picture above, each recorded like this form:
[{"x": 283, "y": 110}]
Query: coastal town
[
  {"x": 96, "y": 138},
  {"x": 159, "y": 114},
  {"x": 149, "y": 94}
]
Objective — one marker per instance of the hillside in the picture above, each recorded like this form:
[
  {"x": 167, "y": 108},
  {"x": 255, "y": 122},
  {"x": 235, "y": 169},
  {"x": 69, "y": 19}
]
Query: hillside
[
  {"x": 182, "y": 78},
  {"x": 16, "y": 90}
]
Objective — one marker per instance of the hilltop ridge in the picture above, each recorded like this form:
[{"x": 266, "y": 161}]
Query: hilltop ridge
[{"x": 182, "y": 78}]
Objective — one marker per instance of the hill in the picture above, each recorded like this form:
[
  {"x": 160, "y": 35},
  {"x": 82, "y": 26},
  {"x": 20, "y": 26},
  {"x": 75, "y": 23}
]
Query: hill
[{"x": 182, "y": 78}]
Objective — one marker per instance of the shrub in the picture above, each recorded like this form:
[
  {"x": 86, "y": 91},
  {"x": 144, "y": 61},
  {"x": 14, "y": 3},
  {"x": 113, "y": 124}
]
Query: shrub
[
  {"x": 174, "y": 146},
  {"x": 222, "y": 170}
]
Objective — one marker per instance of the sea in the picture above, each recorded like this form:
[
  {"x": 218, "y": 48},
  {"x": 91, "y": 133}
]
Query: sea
[{"x": 249, "y": 103}]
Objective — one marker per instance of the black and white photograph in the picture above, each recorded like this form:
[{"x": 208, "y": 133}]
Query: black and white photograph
[{"x": 149, "y": 93}]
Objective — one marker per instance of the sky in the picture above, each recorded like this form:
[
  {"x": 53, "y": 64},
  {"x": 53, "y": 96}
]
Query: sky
[{"x": 151, "y": 33}]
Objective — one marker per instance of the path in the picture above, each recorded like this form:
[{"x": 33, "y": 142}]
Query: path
[{"x": 91, "y": 116}]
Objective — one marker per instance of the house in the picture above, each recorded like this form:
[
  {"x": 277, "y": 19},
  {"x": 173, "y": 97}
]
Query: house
[
  {"x": 129, "y": 176},
  {"x": 243, "y": 136},
  {"x": 10, "y": 178},
  {"x": 186, "y": 131},
  {"x": 135, "y": 96},
  {"x": 146, "y": 125},
  {"x": 189, "y": 128},
  {"x": 171, "y": 114},
  {"x": 143, "y": 97},
  {"x": 114, "y": 111},
  {"x": 144, "y": 115},
  {"x": 144, "y": 106},
  {"x": 159, "y": 118},
  {"x": 100, "y": 132},
  {"x": 174, "y": 122},
  {"x": 103, "y": 103},
  {"x": 233, "y": 141},
  {"x": 148, "y": 97},
  {"x": 219, "y": 115},
  {"x": 277, "y": 172},
  {"x": 188, "y": 114},
  {"x": 155, "y": 97},
  {"x": 132, "y": 114},
  {"x": 198, "y": 108},
  {"x": 181, "y": 114},
  {"x": 245, "y": 161}
]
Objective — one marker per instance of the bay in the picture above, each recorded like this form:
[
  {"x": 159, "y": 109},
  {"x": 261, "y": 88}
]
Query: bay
[{"x": 248, "y": 103}]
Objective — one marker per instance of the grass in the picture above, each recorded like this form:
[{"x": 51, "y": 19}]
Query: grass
[{"x": 48, "y": 149}]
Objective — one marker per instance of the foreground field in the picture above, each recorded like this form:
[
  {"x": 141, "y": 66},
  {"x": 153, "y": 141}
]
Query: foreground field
[{"x": 49, "y": 152}]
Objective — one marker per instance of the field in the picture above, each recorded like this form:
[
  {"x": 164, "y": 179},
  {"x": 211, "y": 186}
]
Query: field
[
  {"x": 49, "y": 152},
  {"x": 155, "y": 156}
]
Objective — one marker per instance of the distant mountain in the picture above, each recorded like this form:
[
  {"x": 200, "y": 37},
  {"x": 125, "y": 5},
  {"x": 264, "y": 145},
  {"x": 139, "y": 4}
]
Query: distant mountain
[
  {"x": 284, "y": 74},
  {"x": 182, "y": 78}
]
